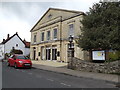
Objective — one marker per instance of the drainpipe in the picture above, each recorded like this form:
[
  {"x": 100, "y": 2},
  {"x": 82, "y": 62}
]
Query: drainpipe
[{"x": 60, "y": 37}]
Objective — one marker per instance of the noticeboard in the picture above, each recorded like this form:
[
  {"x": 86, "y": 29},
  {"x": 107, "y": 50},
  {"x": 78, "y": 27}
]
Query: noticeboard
[{"x": 98, "y": 55}]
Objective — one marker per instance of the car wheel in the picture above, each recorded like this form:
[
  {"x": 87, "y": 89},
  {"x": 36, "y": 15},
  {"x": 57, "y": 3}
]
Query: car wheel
[
  {"x": 8, "y": 64},
  {"x": 15, "y": 66}
]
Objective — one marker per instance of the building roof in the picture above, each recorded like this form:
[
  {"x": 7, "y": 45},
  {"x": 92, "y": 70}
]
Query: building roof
[
  {"x": 73, "y": 11},
  {"x": 27, "y": 44},
  {"x": 6, "y": 40}
]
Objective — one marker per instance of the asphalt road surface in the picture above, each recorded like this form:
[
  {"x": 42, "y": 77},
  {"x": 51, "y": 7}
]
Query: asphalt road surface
[{"x": 36, "y": 78}]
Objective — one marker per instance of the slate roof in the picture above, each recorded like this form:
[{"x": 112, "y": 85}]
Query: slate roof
[{"x": 27, "y": 44}]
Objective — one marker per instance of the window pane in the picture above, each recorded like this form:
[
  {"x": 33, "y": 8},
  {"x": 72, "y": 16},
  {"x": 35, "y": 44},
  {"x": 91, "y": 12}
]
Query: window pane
[
  {"x": 16, "y": 45},
  {"x": 34, "y": 38},
  {"x": 71, "y": 30},
  {"x": 21, "y": 57},
  {"x": 42, "y": 36},
  {"x": 48, "y": 35},
  {"x": 55, "y": 33}
]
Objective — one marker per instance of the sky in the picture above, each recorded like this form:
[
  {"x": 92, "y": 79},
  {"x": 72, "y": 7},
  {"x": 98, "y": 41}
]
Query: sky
[{"x": 21, "y": 15}]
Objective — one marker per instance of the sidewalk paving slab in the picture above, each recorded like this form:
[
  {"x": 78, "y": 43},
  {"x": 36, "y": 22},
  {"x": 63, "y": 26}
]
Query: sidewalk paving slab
[{"x": 62, "y": 68}]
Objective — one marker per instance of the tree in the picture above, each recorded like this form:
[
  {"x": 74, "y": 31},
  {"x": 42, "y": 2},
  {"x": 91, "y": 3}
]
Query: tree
[{"x": 101, "y": 27}]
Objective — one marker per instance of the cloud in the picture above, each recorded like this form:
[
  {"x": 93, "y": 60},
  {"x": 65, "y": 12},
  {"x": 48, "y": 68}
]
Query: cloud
[
  {"x": 22, "y": 16},
  {"x": 12, "y": 24},
  {"x": 79, "y": 5}
]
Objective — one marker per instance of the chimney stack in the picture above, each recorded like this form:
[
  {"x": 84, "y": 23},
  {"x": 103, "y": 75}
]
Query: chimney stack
[
  {"x": 3, "y": 40},
  {"x": 8, "y": 36},
  {"x": 24, "y": 40}
]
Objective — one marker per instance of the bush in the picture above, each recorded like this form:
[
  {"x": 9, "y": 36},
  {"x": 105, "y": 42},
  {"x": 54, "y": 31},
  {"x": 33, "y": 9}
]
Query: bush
[
  {"x": 114, "y": 55},
  {"x": 7, "y": 55}
]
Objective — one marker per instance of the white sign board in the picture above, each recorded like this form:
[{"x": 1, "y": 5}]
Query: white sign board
[{"x": 98, "y": 55}]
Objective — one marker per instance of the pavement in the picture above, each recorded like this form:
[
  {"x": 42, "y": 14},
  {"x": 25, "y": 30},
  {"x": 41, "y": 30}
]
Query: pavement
[{"x": 60, "y": 67}]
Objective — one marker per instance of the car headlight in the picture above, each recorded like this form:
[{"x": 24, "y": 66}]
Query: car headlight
[{"x": 20, "y": 61}]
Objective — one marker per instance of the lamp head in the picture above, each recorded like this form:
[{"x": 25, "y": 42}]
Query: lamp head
[{"x": 70, "y": 38}]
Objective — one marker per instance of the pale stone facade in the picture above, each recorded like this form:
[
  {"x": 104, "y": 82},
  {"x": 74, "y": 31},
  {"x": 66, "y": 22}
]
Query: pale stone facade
[{"x": 49, "y": 37}]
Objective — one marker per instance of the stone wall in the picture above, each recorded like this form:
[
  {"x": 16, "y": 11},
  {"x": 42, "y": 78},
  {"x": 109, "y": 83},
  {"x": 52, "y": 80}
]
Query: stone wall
[{"x": 106, "y": 67}]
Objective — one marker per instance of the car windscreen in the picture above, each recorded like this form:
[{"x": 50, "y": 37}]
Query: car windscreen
[{"x": 21, "y": 57}]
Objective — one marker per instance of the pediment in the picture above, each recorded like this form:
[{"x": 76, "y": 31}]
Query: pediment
[{"x": 52, "y": 14}]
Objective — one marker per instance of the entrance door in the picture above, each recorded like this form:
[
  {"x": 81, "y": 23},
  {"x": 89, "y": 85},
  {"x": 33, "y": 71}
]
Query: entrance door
[
  {"x": 48, "y": 52},
  {"x": 34, "y": 54},
  {"x": 54, "y": 54}
]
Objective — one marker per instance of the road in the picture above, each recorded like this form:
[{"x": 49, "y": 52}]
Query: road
[{"x": 36, "y": 78}]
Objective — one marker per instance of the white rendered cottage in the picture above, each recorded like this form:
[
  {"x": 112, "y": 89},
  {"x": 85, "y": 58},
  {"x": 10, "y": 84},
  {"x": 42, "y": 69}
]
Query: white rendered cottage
[{"x": 14, "y": 42}]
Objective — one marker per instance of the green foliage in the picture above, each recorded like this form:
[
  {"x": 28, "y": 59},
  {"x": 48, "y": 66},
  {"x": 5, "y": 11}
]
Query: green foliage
[
  {"x": 101, "y": 27},
  {"x": 116, "y": 74},
  {"x": 15, "y": 51},
  {"x": 7, "y": 55},
  {"x": 111, "y": 60},
  {"x": 114, "y": 55}
]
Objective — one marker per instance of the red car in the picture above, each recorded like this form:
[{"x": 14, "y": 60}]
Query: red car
[{"x": 19, "y": 61}]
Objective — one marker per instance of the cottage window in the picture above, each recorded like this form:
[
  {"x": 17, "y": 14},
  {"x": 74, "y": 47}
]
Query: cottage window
[
  {"x": 55, "y": 33},
  {"x": 16, "y": 45},
  {"x": 42, "y": 36},
  {"x": 71, "y": 30},
  {"x": 48, "y": 35},
  {"x": 13, "y": 48}
]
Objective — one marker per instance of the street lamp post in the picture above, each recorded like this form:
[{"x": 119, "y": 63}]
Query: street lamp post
[
  {"x": 70, "y": 40},
  {"x": 70, "y": 52}
]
